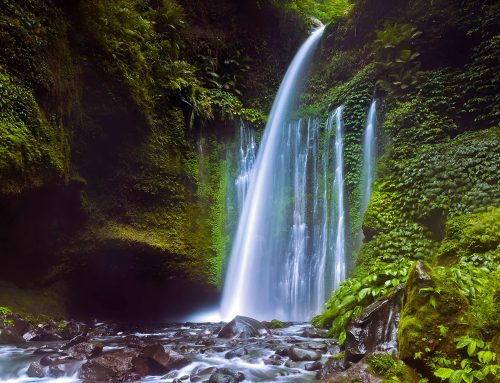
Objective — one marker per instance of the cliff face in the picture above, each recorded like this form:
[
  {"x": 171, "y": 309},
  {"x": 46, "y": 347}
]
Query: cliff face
[
  {"x": 432, "y": 67},
  {"x": 104, "y": 108}
]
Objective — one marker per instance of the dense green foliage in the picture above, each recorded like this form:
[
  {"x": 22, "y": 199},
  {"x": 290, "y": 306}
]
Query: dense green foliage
[{"x": 436, "y": 196}]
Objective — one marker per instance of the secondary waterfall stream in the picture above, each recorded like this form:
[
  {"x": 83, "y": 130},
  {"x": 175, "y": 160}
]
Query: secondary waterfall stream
[{"x": 369, "y": 147}]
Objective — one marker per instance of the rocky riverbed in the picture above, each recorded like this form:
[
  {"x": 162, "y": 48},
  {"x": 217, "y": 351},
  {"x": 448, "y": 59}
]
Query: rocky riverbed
[{"x": 242, "y": 350}]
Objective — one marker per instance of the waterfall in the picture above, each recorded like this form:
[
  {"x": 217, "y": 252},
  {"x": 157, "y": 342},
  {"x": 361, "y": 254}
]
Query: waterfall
[
  {"x": 247, "y": 151},
  {"x": 256, "y": 279},
  {"x": 338, "y": 188},
  {"x": 369, "y": 147}
]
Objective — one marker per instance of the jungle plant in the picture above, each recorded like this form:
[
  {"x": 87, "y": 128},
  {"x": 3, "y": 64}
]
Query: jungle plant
[
  {"x": 359, "y": 291},
  {"x": 477, "y": 365},
  {"x": 395, "y": 58}
]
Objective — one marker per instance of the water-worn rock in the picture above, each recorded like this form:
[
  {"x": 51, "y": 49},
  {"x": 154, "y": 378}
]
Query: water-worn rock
[
  {"x": 313, "y": 332},
  {"x": 274, "y": 360},
  {"x": 298, "y": 354},
  {"x": 375, "y": 328},
  {"x": 75, "y": 340},
  {"x": 46, "y": 332},
  {"x": 236, "y": 353},
  {"x": 225, "y": 375},
  {"x": 314, "y": 366},
  {"x": 161, "y": 360},
  {"x": 282, "y": 351},
  {"x": 35, "y": 370},
  {"x": 85, "y": 350},
  {"x": 132, "y": 363},
  {"x": 358, "y": 372},
  {"x": 72, "y": 328},
  {"x": 331, "y": 366},
  {"x": 243, "y": 328},
  {"x": 10, "y": 336},
  {"x": 200, "y": 374}
]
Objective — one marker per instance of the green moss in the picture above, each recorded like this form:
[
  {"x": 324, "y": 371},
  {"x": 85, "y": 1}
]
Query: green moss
[
  {"x": 392, "y": 370},
  {"x": 431, "y": 300},
  {"x": 31, "y": 149},
  {"x": 275, "y": 323}
]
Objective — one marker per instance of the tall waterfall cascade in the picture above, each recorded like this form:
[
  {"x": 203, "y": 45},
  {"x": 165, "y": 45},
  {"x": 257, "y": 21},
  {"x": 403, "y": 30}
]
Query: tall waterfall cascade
[{"x": 369, "y": 153}]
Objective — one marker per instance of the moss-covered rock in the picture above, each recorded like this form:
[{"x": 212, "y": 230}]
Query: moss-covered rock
[{"x": 430, "y": 301}]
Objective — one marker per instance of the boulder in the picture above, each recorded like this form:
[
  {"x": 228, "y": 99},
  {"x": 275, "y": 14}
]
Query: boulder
[
  {"x": 375, "y": 328},
  {"x": 236, "y": 353},
  {"x": 43, "y": 332},
  {"x": 298, "y": 354},
  {"x": 35, "y": 370},
  {"x": 131, "y": 363},
  {"x": 314, "y": 366},
  {"x": 77, "y": 339},
  {"x": 359, "y": 372},
  {"x": 85, "y": 350},
  {"x": 313, "y": 332},
  {"x": 243, "y": 328},
  {"x": 200, "y": 374},
  {"x": 225, "y": 375},
  {"x": 72, "y": 328},
  {"x": 330, "y": 367},
  {"x": 274, "y": 360},
  {"x": 10, "y": 336},
  {"x": 160, "y": 360}
]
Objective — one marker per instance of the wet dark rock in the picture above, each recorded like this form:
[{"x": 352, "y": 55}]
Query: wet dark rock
[
  {"x": 375, "y": 328},
  {"x": 57, "y": 371},
  {"x": 200, "y": 374},
  {"x": 47, "y": 333},
  {"x": 313, "y": 332},
  {"x": 46, "y": 349},
  {"x": 290, "y": 363},
  {"x": 160, "y": 360},
  {"x": 314, "y": 366},
  {"x": 118, "y": 365},
  {"x": 225, "y": 375},
  {"x": 331, "y": 366},
  {"x": 134, "y": 341},
  {"x": 282, "y": 351},
  {"x": 10, "y": 336},
  {"x": 72, "y": 329},
  {"x": 236, "y": 353},
  {"x": 47, "y": 360},
  {"x": 75, "y": 340},
  {"x": 102, "y": 330},
  {"x": 15, "y": 323},
  {"x": 243, "y": 328},
  {"x": 298, "y": 354},
  {"x": 316, "y": 346},
  {"x": 358, "y": 372},
  {"x": 35, "y": 370},
  {"x": 274, "y": 360},
  {"x": 85, "y": 350}
]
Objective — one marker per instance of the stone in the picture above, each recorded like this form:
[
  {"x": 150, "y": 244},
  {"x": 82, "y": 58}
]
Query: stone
[
  {"x": 35, "y": 370},
  {"x": 10, "y": 336},
  {"x": 72, "y": 328},
  {"x": 282, "y": 351},
  {"x": 290, "y": 363},
  {"x": 274, "y": 360},
  {"x": 236, "y": 353},
  {"x": 225, "y": 375},
  {"x": 243, "y": 328},
  {"x": 85, "y": 350},
  {"x": 375, "y": 328},
  {"x": 46, "y": 333},
  {"x": 358, "y": 372},
  {"x": 298, "y": 354},
  {"x": 200, "y": 374},
  {"x": 314, "y": 366},
  {"x": 77, "y": 339},
  {"x": 331, "y": 366},
  {"x": 160, "y": 360},
  {"x": 115, "y": 365},
  {"x": 313, "y": 332}
]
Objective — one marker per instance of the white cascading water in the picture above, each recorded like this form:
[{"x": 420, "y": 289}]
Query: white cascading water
[
  {"x": 251, "y": 286},
  {"x": 338, "y": 189},
  {"x": 369, "y": 148},
  {"x": 247, "y": 153}
]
